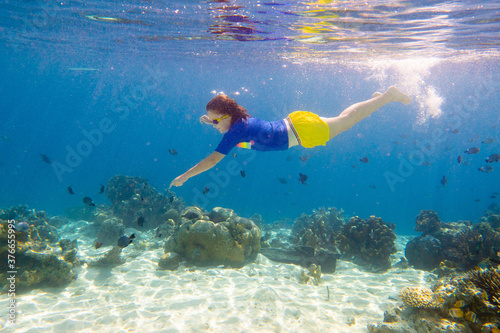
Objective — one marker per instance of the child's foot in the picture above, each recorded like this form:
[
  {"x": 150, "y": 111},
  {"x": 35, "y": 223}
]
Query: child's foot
[{"x": 397, "y": 95}]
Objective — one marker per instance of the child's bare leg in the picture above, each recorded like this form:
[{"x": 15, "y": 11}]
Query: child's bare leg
[{"x": 359, "y": 111}]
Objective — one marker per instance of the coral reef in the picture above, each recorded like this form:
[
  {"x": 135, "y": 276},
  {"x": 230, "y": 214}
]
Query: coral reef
[
  {"x": 203, "y": 242},
  {"x": 318, "y": 230},
  {"x": 460, "y": 243},
  {"x": 489, "y": 281},
  {"x": 464, "y": 303},
  {"x": 419, "y": 297},
  {"x": 368, "y": 243},
  {"x": 37, "y": 263},
  {"x": 133, "y": 198}
]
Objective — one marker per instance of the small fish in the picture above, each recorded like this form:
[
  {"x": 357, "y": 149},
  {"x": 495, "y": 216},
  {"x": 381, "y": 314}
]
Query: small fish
[
  {"x": 5, "y": 138},
  {"x": 305, "y": 157},
  {"x": 488, "y": 140},
  {"x": 98, "y": 245},
  {"x": 140, "y": 221},
  {"x": 403, "y": 136},
  {"x": 493, "y": 196},
  {"x": 302, "y": 178},
  {"x": 206, "y": 190},
  {"x": 493, "y": 158},
  {"x": 70, "y": 190},
  {"x": 21, "y": 226},
  {"x": 234, "y": 155},
  {"x": 242, "y": 173},
  {"x": 354, "y": 166},
  {"x": 487, "y": 168},
  {"x": 171, "y": 199},
  {"x": 101, "y": 190},
  {"x": 396, "y": 143},
  {"x": 46, "y": 159},
  {"x": 289, "y": 158},
  {"x": 459, "y": 304},
  {"x": 372, "y": 234},
  {"x": 456, "y": 313},
  {"x": 88, "y": 201},
  {"x": 477, "y": 200},
  {"x": 283, "y": 180},
  {"x": 444, "y": 181},
  {"x": 173, "y": 152},
  {"x": 372, "y": 186},
  {"x": 471, "y": 316},
  {"x": 455, "y": 131},
  {"x": 158, "y": 233},
  {"x": 365, "y": 160},
  {"x": 472, "y": 151},
  {"x": 459, "y": 159},
  {"x": 124, "y": 241},
  {"x": 426, "y": 163}
]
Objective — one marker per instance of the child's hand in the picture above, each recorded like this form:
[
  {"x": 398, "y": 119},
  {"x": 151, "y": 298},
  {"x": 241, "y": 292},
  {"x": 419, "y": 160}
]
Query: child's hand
[
  {"x": 179, "y": 181},
  {"x": 205, "y": 119}
]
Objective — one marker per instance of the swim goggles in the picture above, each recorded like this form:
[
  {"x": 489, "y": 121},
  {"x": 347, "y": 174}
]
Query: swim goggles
[{"x": 217, "y": 120}]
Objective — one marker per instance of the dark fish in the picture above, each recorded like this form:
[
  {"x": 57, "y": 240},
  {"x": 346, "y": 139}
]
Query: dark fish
[
  {"x": 444, "y": 180},
  {"x": 140, "y": 221},
  {"x": 206, "y": 190},
  {"x": 403, "y": 136},
  {"x": 98, "y": 245},
  {"x": 124, "y": 241},
  {"x": 242, "y": 173},
  {"x": 489, "y": 140},
  {"x": 171, "y": 199},
  {"x": 428, "y": 146},
  {"x": 455, "y": 131},
  {"x": 472, "y": 151},
  {"x": 493, "y": 196},
  {"x": 365, "y": 160},
  {"x": 459, "y": 159},
  {"x": 354, "y": 166},
  {"x": 5, "y": 138},
  {"x": 304, "y": 158},
  {"x": 46, "y": 159},
  {"x": 283, "y": 180},
  {"x": 158, "y": 233},
  {"x": 234, "y": 155},
  {"x": 21, "y": 226},
  {"x": 487, "y": 168},
  {"x": 477, "y": 200},
  {"x": 70, "y": 190},
  {"x": 426, "y": 163},
  {"x": 101, "y": 190},
  {"x": 302, "y": 178},
  {"x": 88, "y": 201},
  {"x": 395, "y": 143},
  {"x": 173, "y": 152},
  {"x": 493, "y": 158},
  {"x": 372, "y": 186}
]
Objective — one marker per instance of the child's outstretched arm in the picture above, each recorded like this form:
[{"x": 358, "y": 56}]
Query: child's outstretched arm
[{"x": 205, "y": 164}]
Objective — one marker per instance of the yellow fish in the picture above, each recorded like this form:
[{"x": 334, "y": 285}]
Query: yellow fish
[
  {"x": 456, "y": 313},
  {"x": 459, "y": 304},
  {"x": 471, "y": 316}
]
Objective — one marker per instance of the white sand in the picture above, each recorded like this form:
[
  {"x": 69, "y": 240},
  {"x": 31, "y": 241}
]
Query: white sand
[{"x": 261, "y": 297}]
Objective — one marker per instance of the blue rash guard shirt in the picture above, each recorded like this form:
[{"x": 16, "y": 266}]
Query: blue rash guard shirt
[{"x": 261, "y": 134}]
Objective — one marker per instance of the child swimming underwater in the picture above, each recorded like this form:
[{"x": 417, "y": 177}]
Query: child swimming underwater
[{"x": 299, "y": 128}]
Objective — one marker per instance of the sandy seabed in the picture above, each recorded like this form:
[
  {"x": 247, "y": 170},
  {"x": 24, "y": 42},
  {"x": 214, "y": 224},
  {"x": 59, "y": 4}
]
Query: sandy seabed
[{"x": 264, "y": 296}]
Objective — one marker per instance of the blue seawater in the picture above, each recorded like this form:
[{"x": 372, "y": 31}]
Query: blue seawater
[{"x": 119, "y": 84}]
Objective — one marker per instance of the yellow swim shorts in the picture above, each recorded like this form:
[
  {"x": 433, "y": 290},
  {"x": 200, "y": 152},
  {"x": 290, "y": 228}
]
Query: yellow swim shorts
[{"x": 309, "y": 129}]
